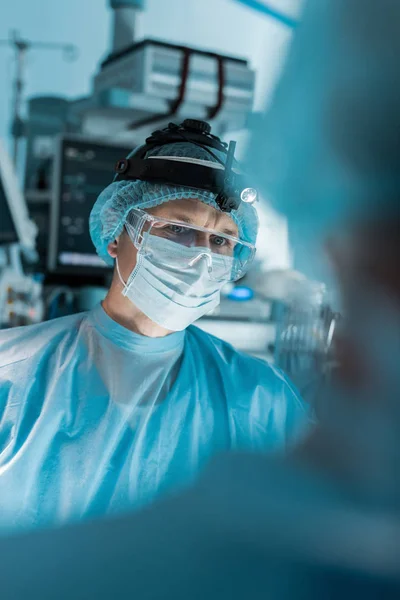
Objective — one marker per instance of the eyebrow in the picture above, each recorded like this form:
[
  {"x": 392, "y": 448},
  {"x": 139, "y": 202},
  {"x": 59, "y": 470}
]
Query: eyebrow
[{"x": 186, "y": 219}]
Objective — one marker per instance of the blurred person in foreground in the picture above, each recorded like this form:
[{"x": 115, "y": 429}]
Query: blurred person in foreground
[{"x": 324, "y": 522}]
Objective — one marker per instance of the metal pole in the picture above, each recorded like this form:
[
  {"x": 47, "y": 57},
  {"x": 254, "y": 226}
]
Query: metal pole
[
  {"x": 21, "y": 47},
  {"x": 17, "y": 125}
]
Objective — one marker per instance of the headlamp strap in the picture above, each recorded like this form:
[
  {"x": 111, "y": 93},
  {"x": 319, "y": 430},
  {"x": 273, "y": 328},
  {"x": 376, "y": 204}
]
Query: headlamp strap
[{"x": 225, "y": 199}]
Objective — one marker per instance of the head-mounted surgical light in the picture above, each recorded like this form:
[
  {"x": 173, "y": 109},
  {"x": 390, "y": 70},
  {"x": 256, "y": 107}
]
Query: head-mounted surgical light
[
  {"x": 249, "y": 195},
  {"x": 222, "y": 178}
]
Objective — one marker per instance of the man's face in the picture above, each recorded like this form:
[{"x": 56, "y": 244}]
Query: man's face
[{"x": 187, "y": 211}]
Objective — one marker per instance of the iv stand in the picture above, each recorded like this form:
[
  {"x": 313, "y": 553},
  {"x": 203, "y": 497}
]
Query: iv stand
[{"x": 21, "y": 47}]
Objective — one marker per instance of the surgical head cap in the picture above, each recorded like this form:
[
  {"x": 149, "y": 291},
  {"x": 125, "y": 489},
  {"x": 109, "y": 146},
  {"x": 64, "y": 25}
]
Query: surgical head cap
[{"x": 110, "y": 211}]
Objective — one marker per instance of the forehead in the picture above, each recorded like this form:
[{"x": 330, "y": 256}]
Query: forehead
[{"x": 195, "y": 212}]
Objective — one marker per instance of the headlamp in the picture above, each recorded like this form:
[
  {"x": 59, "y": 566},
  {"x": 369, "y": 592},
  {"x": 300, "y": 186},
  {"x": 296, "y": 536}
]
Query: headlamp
[
  {"x": 220, "y": 178},
  {"x": 249, "y": 195}
]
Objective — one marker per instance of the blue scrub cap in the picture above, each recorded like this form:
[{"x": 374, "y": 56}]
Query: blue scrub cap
[{"x": 110, "y": 211}]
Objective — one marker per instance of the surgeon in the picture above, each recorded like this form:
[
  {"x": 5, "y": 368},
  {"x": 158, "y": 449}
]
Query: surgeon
[
  {"x": 324, "y": 521},
  {"x": 104, "y": 411}
]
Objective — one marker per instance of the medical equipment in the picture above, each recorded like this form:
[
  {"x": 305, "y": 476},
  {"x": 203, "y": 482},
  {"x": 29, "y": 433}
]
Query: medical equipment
[
  {"x": 15, "y": 225},
  {"x": 152, "y": 81},
  {"x": 253, "y": 335},
  {"x": 20, "y": 295},
  {"x": 124, "y": 21},
  {"x": 8, "y": 231},
  {"x": 21, "y": 46},
  {"x": 82, "y": 169},
  {"x": 303, "y": 344},
  {"x": 142, "y": 84},
  {"x": 21, "y": 301},
  {"x": 220, "y": 177}
]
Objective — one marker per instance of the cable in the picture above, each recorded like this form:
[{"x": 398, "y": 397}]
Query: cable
[{"x": 271, "y": 12}]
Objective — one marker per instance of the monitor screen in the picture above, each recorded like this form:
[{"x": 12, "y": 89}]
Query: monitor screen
[
  {"x": 85, "y": 168},
  {"x": 8, "y": 233}
]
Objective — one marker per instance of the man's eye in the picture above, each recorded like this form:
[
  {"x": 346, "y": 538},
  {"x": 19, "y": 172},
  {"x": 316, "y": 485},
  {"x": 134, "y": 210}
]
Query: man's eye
[
  {"x": 177, "y": 229},
  {"x": 219, "y": 241}
]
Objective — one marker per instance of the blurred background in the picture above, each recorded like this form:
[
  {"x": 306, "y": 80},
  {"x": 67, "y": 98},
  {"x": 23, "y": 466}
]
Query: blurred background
[{"x": 85, "y": 82}]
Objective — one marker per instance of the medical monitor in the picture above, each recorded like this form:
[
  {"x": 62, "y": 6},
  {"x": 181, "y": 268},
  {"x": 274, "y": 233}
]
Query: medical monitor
[{"x": 83, "y": 168}]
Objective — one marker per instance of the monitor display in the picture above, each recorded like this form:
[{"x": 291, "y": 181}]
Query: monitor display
[{"x": 85, "y": 167}]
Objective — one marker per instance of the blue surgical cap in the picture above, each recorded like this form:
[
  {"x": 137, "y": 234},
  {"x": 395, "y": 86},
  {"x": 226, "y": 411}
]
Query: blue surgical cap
[{"x": 111, "y": 209}]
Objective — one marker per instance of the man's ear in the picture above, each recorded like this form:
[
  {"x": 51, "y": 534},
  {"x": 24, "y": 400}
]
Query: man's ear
[{"x": 112, "y": 248}]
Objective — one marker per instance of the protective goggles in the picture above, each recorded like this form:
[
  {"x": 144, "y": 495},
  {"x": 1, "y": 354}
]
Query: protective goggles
[{"x": 228, "y": 258}]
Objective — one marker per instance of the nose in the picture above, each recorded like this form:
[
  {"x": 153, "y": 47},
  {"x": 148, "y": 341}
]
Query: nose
[{"x": 203, "y": 240}]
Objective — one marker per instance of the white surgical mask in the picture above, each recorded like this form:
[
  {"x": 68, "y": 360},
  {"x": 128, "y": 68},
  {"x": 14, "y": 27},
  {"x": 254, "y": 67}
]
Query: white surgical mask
[{"x": 175, "y": 297}]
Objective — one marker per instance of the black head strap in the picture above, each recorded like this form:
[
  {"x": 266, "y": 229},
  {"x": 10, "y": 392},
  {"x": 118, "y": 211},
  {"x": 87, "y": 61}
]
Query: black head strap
[{"x": 224, "y": 182}]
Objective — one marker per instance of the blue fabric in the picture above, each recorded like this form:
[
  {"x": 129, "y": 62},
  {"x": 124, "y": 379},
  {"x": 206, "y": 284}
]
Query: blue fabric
[
  {"x": 252, "y": 528},
  {"x": 109, "y": 213},
  {"x": 95, "y": 419}
]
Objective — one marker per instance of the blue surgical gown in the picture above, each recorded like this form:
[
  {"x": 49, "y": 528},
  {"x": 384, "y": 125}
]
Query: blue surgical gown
[{"x": 95, "y": 419}]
